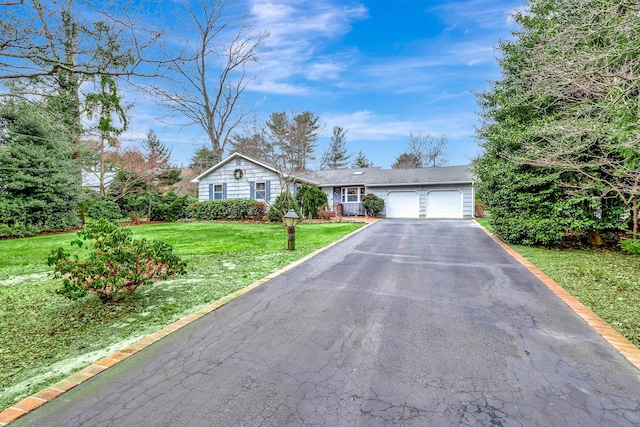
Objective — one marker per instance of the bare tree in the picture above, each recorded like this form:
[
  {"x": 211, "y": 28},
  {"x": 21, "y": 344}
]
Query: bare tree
[
  {"x": 51, "y": 49},
  {"x": 206, "y": 83},
  {"x": 255, "y": 142},
  {"x": 430, "y": 151}
]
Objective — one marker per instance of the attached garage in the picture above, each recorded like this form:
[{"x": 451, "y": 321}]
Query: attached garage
[
  {"x": 403, "y": 204},
  {"x": 444, "y": 204}
]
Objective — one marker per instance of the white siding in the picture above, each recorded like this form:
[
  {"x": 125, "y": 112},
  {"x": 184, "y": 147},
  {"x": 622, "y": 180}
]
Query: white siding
[
  {"x": 465, "y": 189},
  {"x": 329, "y": 192},
  {"x": 239, "y": 188}
]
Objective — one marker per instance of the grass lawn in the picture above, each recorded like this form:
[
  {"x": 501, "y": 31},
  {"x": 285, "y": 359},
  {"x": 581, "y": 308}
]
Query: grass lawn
[
  {"x": 607, "y": 282},
  {"x": 44, "y": 337}
]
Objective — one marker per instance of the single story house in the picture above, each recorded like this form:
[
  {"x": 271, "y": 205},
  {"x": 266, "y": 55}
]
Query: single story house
[{"x": 439, "y": 192}]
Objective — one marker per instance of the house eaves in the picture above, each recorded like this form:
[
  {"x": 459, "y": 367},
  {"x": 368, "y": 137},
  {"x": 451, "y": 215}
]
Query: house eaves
[
  {"x": 257, "y": 162},
  {"x": 415, "y": 184}
]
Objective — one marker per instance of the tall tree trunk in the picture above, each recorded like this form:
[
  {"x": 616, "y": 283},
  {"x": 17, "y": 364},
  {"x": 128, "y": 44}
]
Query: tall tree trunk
[{"x": 635, "y": 217}]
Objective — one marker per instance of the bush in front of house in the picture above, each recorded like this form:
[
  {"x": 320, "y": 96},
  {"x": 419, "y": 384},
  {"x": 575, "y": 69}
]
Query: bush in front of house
[
  {"x": 310, "y": 199},
  {"x": 116, "y": 263},
  {"x": 235, "y": 209},
  {"x": 283, "y": 204},
  {"x": 259, "y": 210},
  {"x": 171, "y": 207},
  {"x": 372, "y": 204}
]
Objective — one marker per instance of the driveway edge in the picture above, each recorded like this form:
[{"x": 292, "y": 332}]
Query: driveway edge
[
  {"x": 48, "y": 394},
  {"x": 613, "y": 337}
]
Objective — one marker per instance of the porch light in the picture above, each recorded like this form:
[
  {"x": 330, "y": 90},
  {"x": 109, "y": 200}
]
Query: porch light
[{"x": 291, "y": 219}]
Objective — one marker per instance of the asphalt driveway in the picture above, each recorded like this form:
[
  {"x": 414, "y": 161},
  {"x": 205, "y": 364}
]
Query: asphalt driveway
[{"x": 408, "y": 322}]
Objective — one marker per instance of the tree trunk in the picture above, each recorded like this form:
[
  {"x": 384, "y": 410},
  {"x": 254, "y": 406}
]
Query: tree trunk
[
  {"x": 635, "y": 217},
  {"x": 595, "y": 239}
]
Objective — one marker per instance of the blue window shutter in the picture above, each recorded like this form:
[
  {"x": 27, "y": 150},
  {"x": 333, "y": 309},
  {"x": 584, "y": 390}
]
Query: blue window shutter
[
  {"x": 224, "y": 190},
  {"x": 295, "y": 190},
  {"x": 252, "y": 190},
  {"x": 210, "y": 191},
  {"x": 268, "y": 185}
]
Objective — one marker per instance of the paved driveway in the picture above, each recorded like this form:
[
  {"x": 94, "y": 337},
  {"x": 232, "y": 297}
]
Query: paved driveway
[{"x": 409, "y": 322}]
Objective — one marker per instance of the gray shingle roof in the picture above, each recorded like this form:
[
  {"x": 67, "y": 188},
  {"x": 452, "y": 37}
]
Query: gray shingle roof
[{"x": 378, "y": 177}]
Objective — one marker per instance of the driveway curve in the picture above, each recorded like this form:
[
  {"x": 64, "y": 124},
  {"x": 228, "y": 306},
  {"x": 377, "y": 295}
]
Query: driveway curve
[{"x": 409, "y": 322}]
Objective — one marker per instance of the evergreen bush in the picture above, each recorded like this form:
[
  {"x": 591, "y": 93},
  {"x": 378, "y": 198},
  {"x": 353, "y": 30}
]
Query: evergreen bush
[
  {"x": 116, "y": 263},
  {"x": 372, "y": 204},
  {"x": 235, "y": 209},
  {"x": 310, "y": 199}
]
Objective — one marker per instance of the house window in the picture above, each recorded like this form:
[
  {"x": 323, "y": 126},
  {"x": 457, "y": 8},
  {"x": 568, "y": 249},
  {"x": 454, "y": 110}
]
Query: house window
[
  {"x": 352, "y": 194},
  {"x": 261, "y": 190},
  {"x": 218, "y": 193}
]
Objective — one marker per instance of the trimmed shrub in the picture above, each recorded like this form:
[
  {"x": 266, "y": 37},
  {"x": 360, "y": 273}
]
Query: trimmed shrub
[
  {"x": 171, "y": 207},
  {"x": 102, "y": 208},
  {"x": 372, "y": 204},
  {"x": 116, "y": 263},
  {"x": 283, "y": 203},
  {"x": 235, "y": 209}
]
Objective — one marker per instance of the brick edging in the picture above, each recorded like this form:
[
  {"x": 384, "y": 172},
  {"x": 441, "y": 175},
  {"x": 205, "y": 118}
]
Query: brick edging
[
  {"x": 32, "y": 402},
  {"x": 613, "y": 337}
]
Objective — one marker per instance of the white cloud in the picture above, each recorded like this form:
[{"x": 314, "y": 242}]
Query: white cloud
[
  {"x": 366, "y": 125},
  {"x": 298, "y": 30},
  {"x": 484, "y": 14}
]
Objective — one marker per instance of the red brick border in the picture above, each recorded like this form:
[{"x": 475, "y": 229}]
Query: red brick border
[
  {"x": 28, "y": 404},
  {"x": 613, "y": 337}
]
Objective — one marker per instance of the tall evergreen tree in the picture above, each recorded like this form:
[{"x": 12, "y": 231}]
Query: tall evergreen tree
[
  {"x": 537, "y": 174},
  {"x": 40, "y": 183},
  {"x": 336, "y": 156},
  {"x": 361, "y": 161}
]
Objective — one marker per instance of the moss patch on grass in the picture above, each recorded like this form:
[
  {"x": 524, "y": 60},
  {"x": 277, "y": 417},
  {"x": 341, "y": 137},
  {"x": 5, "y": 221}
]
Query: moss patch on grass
[{"x": 45, "y": 337}]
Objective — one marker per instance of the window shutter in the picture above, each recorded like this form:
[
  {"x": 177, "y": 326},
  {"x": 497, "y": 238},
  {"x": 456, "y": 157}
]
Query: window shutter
[
  {"x": 210, "y": 191},
  {"x": 224, "y": 190},
  {"x": 268, "y": 190},
  {"x": 252, "y": 190},
  {"x": 295, "y": 190}
]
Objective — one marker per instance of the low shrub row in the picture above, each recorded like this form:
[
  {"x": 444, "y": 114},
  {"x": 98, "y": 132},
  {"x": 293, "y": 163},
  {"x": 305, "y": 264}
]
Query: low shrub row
[{"x": 234, "y": 209}]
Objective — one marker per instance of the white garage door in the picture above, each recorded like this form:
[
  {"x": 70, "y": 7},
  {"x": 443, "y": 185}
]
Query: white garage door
[
  {"x": 403, "y": 204},
  {"x": 444, "y": 204}
]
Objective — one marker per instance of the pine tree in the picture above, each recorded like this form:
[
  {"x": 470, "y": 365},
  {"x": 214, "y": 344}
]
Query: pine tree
[
  {"x": 336, "y": 156},
  {"x": 361, "y": 161}
]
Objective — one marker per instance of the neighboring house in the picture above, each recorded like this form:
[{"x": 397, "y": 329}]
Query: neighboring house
[
  {"x": 440, "y": 192},
  {"x": 91, "y": 179}
]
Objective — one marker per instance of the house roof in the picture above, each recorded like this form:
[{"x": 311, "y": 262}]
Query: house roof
[
  {"x": 371, "y": 177},
  {"x": 261, "y": 163},
  {"x": 378, "y": 177}
]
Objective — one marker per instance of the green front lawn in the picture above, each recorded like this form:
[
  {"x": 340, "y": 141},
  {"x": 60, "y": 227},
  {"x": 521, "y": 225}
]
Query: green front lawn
[
  {"x": 607, "y": 282},
  {"x": 45, "y": 337}
]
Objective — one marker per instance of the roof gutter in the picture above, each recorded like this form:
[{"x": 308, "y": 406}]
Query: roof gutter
[{"x": 405, "y": 184}]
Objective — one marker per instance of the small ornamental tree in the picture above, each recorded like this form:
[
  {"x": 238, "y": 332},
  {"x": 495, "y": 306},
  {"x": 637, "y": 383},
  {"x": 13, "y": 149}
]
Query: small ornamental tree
[
  {"x": 372, "y": 204},
  {"x": 116, "y": 263}
]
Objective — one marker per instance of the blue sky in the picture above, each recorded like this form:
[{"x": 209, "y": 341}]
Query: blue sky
[{"x": 380, "y": 69}]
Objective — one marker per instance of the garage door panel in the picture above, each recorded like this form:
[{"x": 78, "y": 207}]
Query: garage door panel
[
  {"x": 403, "y": 204},
  {"x": 444, "y": 204}
]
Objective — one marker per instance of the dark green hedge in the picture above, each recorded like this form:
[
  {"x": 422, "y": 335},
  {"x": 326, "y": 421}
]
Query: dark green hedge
[{"x": 235, "y": 209}]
